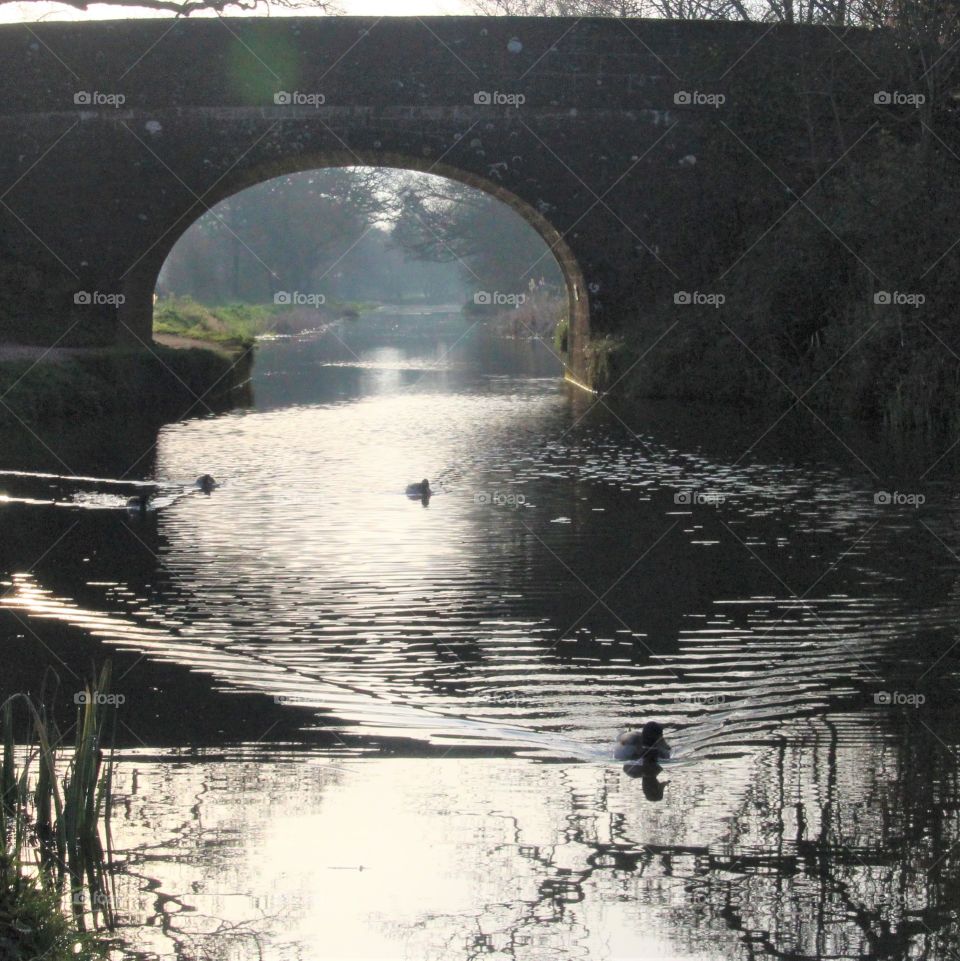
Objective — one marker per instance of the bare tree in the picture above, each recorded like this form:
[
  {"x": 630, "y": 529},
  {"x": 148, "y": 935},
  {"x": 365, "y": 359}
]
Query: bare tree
[
  {"x": 928, "y": 16},
  {"x": 183, "y": 8}
]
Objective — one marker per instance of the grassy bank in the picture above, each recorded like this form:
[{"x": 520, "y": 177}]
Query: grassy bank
[
  {"x": 33, "y": 926},
  {"x": 236, "y": 326},
  {"x": 162, "y": 383},
  {"x": 232, "y": 326}
]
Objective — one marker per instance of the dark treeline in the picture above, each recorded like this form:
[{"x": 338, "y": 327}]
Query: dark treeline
[{"x": 842, "y": 295}]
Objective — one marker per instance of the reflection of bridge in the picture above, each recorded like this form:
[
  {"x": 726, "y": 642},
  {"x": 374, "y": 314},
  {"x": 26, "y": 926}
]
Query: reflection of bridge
[{"x": 606, "y": 136}]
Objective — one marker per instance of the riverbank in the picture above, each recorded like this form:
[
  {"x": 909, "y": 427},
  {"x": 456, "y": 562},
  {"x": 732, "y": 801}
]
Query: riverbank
[
  {"x": 877, "y": 366},
  {"x": 32, "y": 924},
  {"x": 845, "y": 300},
  {"x": 182, "y": 321},
  {"x": 38, "y": 385}
]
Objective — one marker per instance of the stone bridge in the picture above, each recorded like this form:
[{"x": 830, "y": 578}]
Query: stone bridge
[{"x": 636, "y": 148}]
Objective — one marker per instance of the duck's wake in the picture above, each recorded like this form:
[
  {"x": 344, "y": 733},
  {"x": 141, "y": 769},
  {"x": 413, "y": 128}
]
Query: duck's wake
[{"x": 375, "y": 715}]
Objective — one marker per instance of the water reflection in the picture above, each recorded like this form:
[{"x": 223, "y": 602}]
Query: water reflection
[{"x": 382, "y": 731}]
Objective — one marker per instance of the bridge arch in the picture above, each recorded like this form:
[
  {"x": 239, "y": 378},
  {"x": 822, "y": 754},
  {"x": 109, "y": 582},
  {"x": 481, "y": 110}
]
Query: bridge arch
[{"x": 136, "y": 313}]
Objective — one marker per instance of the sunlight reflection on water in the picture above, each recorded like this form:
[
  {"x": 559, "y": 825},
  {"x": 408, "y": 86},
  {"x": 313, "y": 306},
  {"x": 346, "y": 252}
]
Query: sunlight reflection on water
[{"x": 756, "y": 607}]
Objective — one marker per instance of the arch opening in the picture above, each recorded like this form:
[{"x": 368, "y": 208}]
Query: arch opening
[{"x": 143, "y": 283}]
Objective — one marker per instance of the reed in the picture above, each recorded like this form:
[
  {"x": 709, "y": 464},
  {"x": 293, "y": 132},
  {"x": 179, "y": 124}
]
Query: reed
[{"x": 52, "y": 822}]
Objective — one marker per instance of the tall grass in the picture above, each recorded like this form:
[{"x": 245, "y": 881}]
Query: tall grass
[{"x": 50, "y": 821}]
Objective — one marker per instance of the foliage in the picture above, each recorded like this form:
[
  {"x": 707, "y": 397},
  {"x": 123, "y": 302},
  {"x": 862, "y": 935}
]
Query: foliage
[
  {"x": 495, "y": 249},
  {"x": 601, "y": 354},
  {"x": 53, "y": 822},
  {"x": 33, "y": 926},
  {"x": 813, "y": 312},
  {"x": 324, "y": 231}
]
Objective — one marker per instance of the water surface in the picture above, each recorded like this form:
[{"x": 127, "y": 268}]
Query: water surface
[{"x": 357, "y": 726}]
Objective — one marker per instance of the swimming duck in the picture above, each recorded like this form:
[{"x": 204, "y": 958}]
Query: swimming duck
[
  {"x": 647, "y": 745},
  {"x": 205, "y": 483},
  {"x": 419, "y": 490},
  {"x": 138, "y": 503}
]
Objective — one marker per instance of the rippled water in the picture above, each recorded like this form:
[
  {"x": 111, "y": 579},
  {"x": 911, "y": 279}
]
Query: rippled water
[{"x": 359, "y": 726}]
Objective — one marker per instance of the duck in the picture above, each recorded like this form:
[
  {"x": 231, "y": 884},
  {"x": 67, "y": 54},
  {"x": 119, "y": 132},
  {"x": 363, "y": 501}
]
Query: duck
[
  {"x": 205, "y": 483},
  {"x": 421, "y": 490},
  {"x": 647, "y": 745},
  {"x": 138, "y": 503}
]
